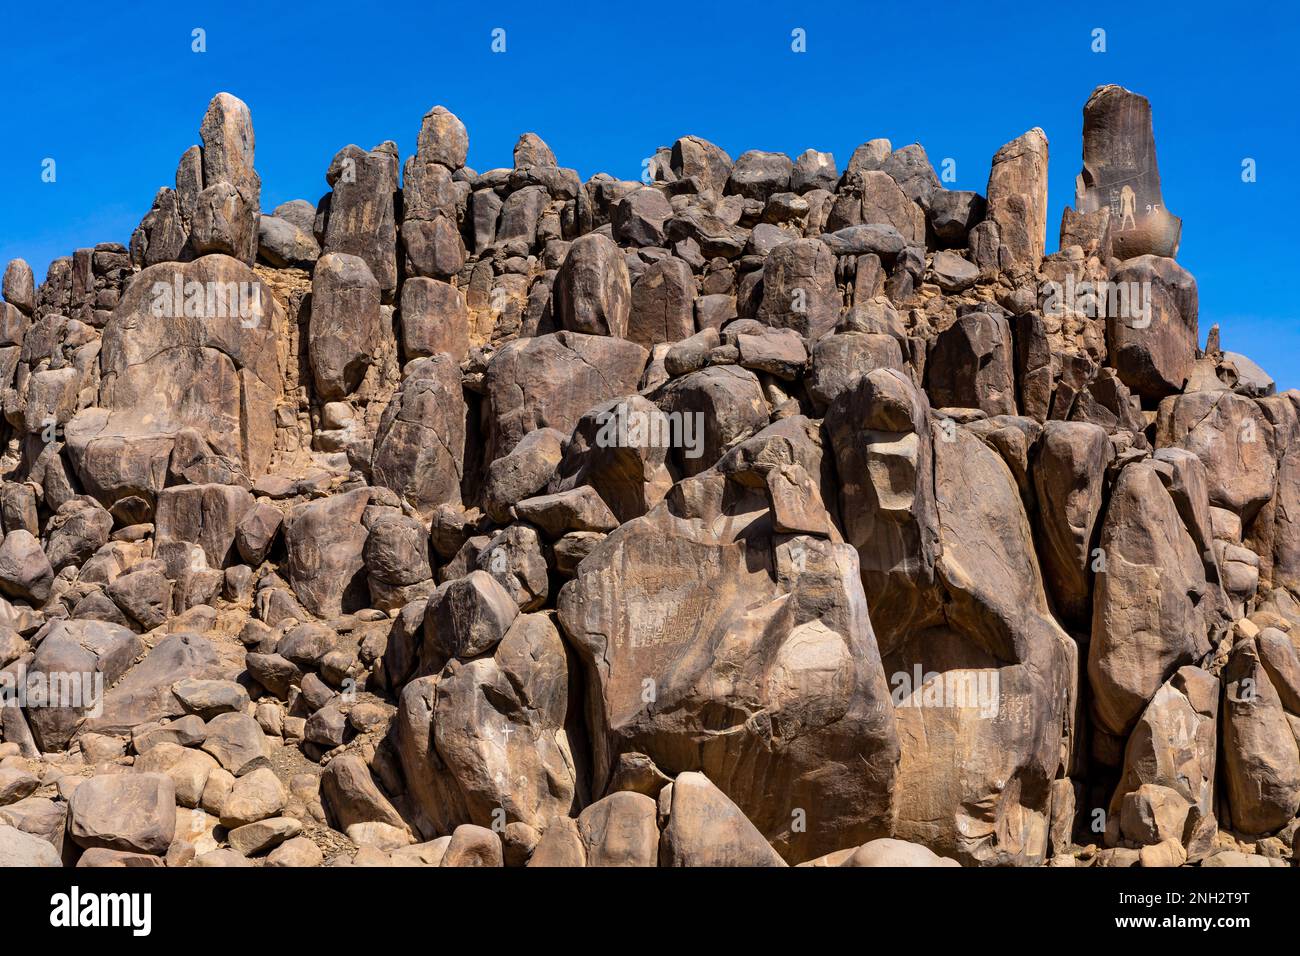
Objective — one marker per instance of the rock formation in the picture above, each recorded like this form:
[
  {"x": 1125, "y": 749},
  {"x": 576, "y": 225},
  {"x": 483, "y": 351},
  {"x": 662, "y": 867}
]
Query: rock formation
[{"x": 753, "y": 514}]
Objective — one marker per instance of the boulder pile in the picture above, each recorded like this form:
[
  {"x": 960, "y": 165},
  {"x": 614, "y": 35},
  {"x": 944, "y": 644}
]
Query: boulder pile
[{"x": 757, "y": 513}]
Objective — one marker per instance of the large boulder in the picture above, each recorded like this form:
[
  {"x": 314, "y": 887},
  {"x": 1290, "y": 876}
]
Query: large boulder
[
  {"x": 25, "y": 571},
  {"x": 758, "y": 174},
  {"x": 144, "y": 693},
  {"x": 592, "y": 292},
  {"x": 19, "y": 286},
  {"x": 712, "y": 410},
  {"x": 74, "y": 664},
  {"x": 698, "y": 159},
  {"x": 1120, "y": 174},
  {"x": 23, "y": 849},
  {"x": 971, "y": 365},
  {"x": 360, "y": 215},
  {"x": 704, "y": 828},
  {"x": 484, "y": 741},
  {"x": 435, "y": 319},
  {"x": 662, "y": 304},
  {"x": 620, "y": 448},
  {"x": 799, "y": 290},
  {"x": 1069, "y": 478},
  {"x": 346, "y": 323},
  {"x": 326, "y": 541},
  {"x": 838, "y": 359},
  {"x": 765, "y": 637},
  {"x": 207, "y": 515},
  {"x": 1261, "y": 761},
  {"x": 195, "y": 345},
  {"x": 621, "y": 830},
  {"x": 1234, "y": 440},
  {"x": 1147, "y": 618},
  {"x": 889, "y": 852},
  {"x": 420, "y": 446},
  {"x": 549, "y": 382},
  {"x": 1174, "y": 743},
  {"x": 1151, "y": 333},
  {"x": 1017, "y": 198},
  {"x": 883, "y": 202},
  {"x": 135, "y": 812},
  {"x": 982, "y": 675},
  {"x": 226, "y": 212}
]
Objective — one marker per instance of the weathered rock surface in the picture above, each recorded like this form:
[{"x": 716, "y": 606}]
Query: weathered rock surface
[{"x": 749, "y": 514}]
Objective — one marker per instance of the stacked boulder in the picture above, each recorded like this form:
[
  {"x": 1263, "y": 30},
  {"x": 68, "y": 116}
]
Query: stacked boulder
[{"x": 754, "y": 513}]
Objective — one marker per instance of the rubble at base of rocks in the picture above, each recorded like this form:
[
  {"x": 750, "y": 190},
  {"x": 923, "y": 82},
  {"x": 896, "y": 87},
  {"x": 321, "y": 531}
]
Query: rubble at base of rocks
[{"x": 758, "y": 513}]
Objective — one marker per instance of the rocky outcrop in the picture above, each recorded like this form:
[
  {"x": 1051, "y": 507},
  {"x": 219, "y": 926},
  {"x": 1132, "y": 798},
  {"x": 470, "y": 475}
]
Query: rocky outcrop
[{"x": 755, "y": 513}]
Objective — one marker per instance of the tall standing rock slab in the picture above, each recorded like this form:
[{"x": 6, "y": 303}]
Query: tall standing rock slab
[
  {"x": 1147, "y": 619},
  {"x": 1260, "y": 757},
  {"x": 346, "y": 323},
  {"x": 228, "y": 143},
  {"x": 430, "y": 235},
  {"x": 983, "y": 677},
  {"x": 1120, "y": 174},
  {"x": 593, "y": 293},
  {"x": 985, "y": 695},
  {"x": 1017, "y": 198},
  {"x": 326, "y": 540},
  {"x": 360, "y": 219},
  {"x": 19, "y": 286},
  {"x": 1285, "y": 507},
  {"x": 879, "y": 430},
  {"x": 435, "y": 318},
  {"x": 1069, "y": 477},
  {"x": 420, "y": 445},
  {"x": 225, "y": 219}
]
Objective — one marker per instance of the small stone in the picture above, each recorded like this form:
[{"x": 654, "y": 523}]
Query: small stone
[
  {"x": 298, "y": 852},
  {"x": 254, "y": 838}
]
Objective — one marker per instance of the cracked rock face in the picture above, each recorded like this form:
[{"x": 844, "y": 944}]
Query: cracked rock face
[{"x": 758, "y": 513}]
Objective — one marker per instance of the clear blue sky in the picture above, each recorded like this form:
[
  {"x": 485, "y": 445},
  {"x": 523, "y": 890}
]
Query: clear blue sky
[{"x": 115, "y": 94}]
